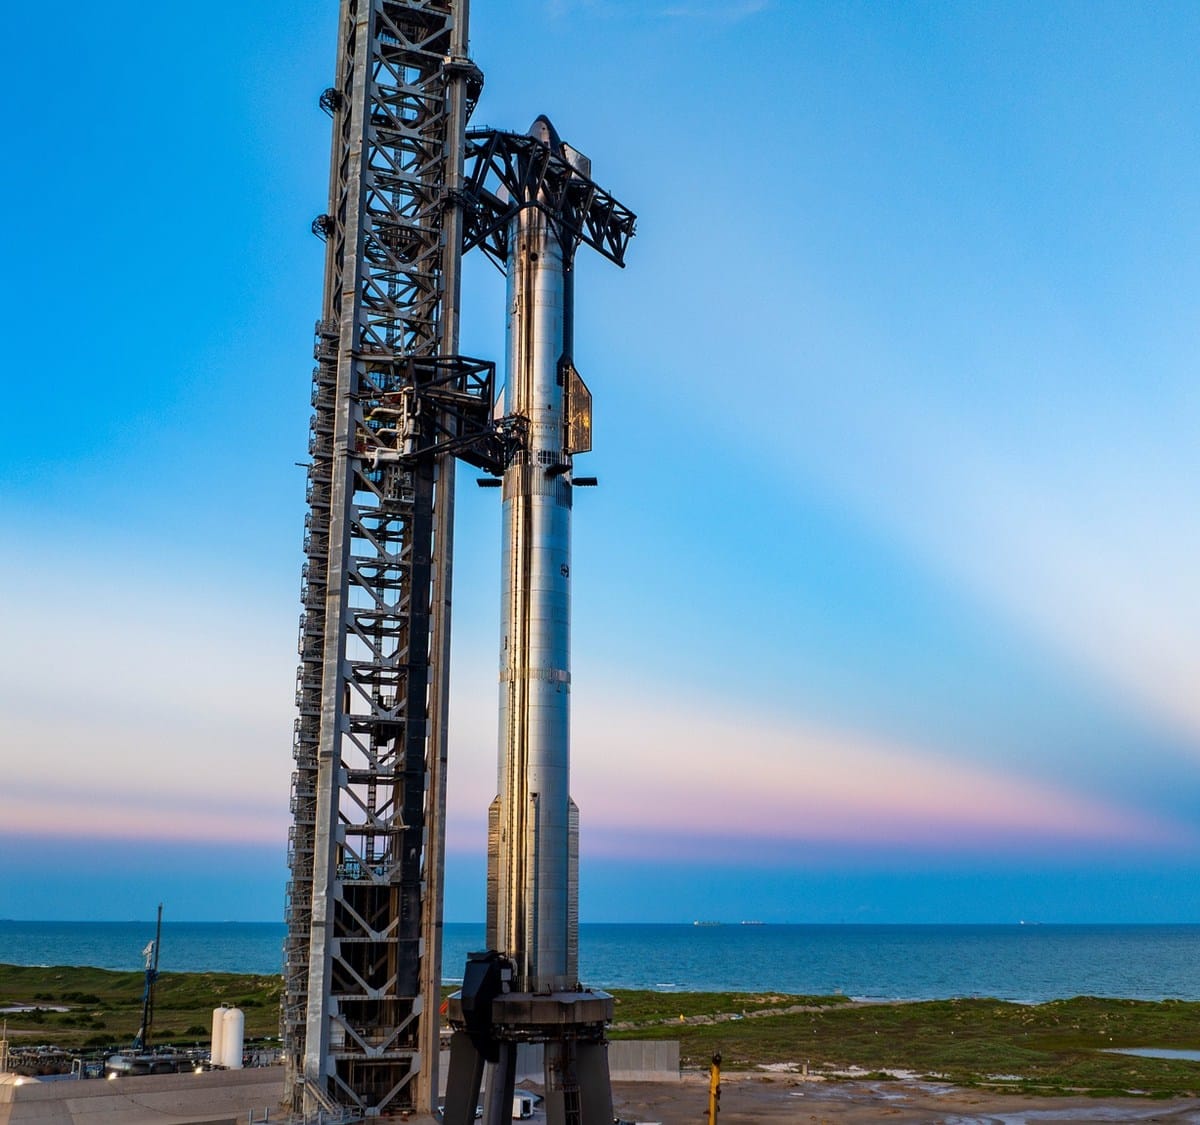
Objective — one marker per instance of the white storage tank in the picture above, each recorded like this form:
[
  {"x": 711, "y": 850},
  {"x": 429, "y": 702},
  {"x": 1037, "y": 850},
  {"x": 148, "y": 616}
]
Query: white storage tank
[
  {"x": 233, "y": 1038},
  {"x": 216, "y": 1054}
]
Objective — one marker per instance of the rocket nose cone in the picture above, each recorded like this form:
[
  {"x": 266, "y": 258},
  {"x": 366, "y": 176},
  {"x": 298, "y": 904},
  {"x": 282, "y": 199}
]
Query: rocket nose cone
[{"x": 542, "y": 130}]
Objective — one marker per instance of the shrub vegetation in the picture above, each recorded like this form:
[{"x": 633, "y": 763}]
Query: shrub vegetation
[{"x": 1054, "y": 1048}]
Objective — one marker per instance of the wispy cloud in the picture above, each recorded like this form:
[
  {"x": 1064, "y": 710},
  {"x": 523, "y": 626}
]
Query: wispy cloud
[
  {"x": 119, "y": 805},
  {"x": 1044, "y": 468},
  {"x": 770, "y": 778},
  {"x": 1084, "y": 536},
  {"x": 676, "y": 769},
  {"x": 135, "y": 705},
  {"x": 723, "y": 13}
]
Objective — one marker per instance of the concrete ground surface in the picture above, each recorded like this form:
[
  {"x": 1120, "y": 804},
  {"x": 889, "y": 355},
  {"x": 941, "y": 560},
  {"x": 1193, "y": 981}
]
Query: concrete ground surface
[
  {"x": 213, "y": 1098},
  {"x": 226, "y": 1098},
  {"x": 747, "y": 1099}
]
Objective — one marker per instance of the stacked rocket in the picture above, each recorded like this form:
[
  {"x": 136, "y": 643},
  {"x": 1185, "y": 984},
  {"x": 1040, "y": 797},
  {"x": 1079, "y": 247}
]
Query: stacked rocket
[{"x": 525, "y": 988}]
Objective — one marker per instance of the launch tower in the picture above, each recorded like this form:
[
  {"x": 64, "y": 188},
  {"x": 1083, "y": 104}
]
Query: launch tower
[{"x": 392, "y": 401}]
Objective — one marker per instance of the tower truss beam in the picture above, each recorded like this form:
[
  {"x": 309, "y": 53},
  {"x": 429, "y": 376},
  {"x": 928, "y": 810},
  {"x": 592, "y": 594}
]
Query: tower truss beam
[{"x": 508, "y": 172}]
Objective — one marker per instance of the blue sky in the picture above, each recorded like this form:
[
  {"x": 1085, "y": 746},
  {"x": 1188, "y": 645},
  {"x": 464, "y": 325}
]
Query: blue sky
[{"x": 885, "y": 607}]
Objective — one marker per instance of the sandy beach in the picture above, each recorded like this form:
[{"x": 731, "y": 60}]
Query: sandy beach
[{"x": 752, "y": 1098}]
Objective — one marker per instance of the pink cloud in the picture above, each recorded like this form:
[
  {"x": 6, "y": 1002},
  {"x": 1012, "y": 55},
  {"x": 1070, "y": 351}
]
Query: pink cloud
[
  {"x": 687, "y": 773},
  {"x": 112, "y": 816}
]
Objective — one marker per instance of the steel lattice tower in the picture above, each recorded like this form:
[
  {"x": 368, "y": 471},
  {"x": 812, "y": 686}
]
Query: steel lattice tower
[{"x": 392, "y": 402}]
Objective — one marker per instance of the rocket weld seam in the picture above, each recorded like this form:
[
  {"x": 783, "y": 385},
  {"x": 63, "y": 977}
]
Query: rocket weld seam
[{"x": 554, "y": 675}]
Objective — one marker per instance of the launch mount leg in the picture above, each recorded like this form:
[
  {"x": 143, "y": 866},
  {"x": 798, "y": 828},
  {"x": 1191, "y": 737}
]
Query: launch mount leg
[
  {"x": 570, "y": 1026},
  {"x": 501, "y": 1086}
]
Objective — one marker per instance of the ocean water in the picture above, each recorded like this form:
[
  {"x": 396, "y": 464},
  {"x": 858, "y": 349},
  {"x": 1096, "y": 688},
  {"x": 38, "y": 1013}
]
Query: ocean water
[{"x": 1024, "y": 963}]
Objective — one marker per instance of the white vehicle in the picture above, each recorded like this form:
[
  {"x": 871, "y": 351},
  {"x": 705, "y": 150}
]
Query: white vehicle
[{"x": 522, "y": 1106}]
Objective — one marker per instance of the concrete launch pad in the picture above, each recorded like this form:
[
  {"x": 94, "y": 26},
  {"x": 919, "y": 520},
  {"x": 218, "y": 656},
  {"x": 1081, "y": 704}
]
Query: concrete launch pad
[
  {"x": 218, "y": 1097},
  {"x": 233, "y": 1097}
]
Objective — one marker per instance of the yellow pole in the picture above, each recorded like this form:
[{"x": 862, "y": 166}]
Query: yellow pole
[{"x": 714, "y": 1089}]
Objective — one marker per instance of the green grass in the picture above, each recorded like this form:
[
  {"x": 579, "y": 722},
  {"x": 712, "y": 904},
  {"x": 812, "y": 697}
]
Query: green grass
[
  {"x": 1043, "y": 1048},
  {"x": 643, "y": 1008},
  {"x": 1053, "y": 1048},
  {"x": 106, "y": 1007}
]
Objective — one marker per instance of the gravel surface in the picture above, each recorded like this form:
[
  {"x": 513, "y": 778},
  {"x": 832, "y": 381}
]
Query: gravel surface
[{"x": 747, "y": 1099}]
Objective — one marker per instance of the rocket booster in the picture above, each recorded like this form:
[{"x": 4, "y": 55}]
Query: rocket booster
[{"x": 533, "y": 823}]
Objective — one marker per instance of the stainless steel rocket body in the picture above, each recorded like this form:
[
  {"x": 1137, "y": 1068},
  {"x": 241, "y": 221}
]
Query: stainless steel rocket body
[
  {"x": 534, "y": 847},
  {"x": 536, "y": 204}
]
